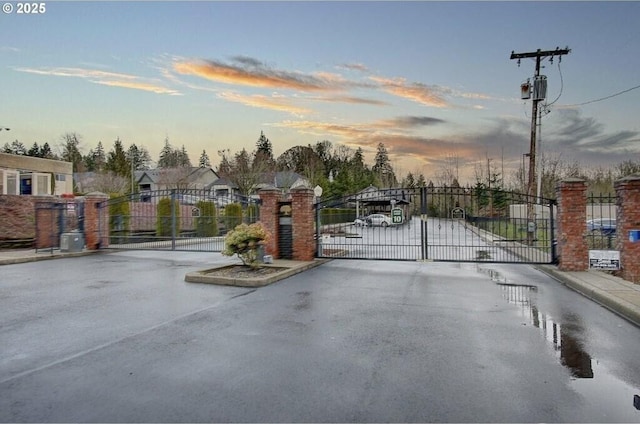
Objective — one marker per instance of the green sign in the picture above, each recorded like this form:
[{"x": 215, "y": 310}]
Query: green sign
[{"x": 396, "y": 216}]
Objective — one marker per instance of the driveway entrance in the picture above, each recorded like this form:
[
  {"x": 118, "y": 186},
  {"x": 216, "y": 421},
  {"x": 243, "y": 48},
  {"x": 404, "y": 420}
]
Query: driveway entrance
[{"x": 438, "y": 224}]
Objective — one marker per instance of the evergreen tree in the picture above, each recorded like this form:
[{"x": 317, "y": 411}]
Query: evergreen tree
[
  {"x": 117, "y": 161},
  {"x": 263, "y": 146},
  {"x": 383, "y": 169},
  {"x": 34, "y": 151},
  {"x": 140, "y": 157},
  {"x": 204, "y": 161},
  {"x": 99, "y": 157},
  {"x": 168, "y": 157},
  {"x": 71, "y": 151},
  {"x": 409, "y": 181},
  {"x": 46, "y": 152},
  {"x": 264, "y": 152},
  {"x": 15, "y": 148},
  {"x": 183, "y": 158},
  {"x": 89, "y": 161},
  {"x": 225, "y": 164}
]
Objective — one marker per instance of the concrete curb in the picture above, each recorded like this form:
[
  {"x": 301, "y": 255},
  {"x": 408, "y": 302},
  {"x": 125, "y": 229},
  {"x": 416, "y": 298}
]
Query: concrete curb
[
  {"x": 45, "y": 256},
  {"x": 607, "y": 291},
  {"x": 289, "y": 268}
]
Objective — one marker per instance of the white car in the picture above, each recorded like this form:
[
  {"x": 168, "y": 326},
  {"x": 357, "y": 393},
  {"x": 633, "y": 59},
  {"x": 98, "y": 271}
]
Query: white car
[
  {"x": 360, "y": 222},
  {"x": 377, "y": 220}
]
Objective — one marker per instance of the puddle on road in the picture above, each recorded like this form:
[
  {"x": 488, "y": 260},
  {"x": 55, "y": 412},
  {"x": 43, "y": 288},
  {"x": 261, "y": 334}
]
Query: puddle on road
[{"x": 590, "y": 377}]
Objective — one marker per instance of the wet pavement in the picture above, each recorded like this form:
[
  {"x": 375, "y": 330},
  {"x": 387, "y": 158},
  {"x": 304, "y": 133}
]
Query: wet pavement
[{"x": 121, "y": 337}]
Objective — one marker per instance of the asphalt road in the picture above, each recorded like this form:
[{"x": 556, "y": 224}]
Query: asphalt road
[{"x": 122, "y": 338}]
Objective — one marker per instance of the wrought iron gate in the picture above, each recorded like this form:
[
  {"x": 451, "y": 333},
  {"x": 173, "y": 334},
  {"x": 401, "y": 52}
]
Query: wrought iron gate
[
  {"x": 437, "y": 223},
  {"x": 186, "y": 220},
  {"x": 53, "y": 219}
]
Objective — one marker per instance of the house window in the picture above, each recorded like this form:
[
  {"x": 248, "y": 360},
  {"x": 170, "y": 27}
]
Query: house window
[
  {"x": 9, "y": 182},
  {"x": 36, "y": 184},
  {"x": 43, "y": 184}
]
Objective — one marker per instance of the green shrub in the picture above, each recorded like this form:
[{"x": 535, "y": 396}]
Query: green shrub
[
  {"x": 232, "y": 215},
  {"x": 244, "y": 241},
  {"x": 252, "y": 212},
  {"x": 164, "y": 220},
  {"x": 206, "y": 223},
  {"x": 337, "y": 215},
  {"x": 119, "y": 215}
]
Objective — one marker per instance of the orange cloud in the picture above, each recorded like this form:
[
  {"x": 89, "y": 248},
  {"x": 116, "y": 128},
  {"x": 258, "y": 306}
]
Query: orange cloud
[
  {"x": 253, "y": 74},
  {"x": 105, "y": 78},
  {"x": 264, "y": 102},
  {"x": 399, "y": 146},
  {"x": 350, "y": 99},
  {"x": 417, "y": 92}
]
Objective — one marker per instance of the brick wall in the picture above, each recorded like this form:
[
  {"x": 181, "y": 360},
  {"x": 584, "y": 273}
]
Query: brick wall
[
  {"x": 628, "y": 218},
  {"x": 573, "y": 250},
  {"x": 304, "y": 246},
  {"x": 18, "y": 218},
  {"x": 92, "y": 223},
  {"x": 269, "y": 218}
]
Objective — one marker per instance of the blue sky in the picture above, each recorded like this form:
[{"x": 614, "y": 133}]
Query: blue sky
[{"x": 431, "y": 80}]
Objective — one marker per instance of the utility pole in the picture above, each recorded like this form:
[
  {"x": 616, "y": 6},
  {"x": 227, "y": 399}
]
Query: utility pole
[{"x": 537, "y": 98}]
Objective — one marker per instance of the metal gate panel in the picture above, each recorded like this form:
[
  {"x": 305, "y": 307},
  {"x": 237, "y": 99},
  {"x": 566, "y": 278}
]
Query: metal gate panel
[
  {"x": 184, "y": 220},
  {"x": 441, "y": 224}
]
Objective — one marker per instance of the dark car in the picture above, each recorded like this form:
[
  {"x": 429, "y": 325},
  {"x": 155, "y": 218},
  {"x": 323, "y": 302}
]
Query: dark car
[{"x": 606, "y": 226}]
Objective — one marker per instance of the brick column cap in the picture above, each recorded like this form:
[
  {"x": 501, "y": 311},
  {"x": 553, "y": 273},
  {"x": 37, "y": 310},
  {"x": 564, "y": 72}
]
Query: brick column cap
[
  {"x": 628, "y": 179},
  {"x": 302, "y": 189},
  {"x": 269, "y": 189},
  {"x": 571, "y": 184},
  {"x": 97, "y": 194}
]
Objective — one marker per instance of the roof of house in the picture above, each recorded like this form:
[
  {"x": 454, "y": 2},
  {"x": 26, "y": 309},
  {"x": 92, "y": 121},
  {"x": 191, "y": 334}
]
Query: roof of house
[{"x": 155, "y": 175}]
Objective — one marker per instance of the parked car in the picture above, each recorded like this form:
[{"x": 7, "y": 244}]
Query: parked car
[
  {"x": 360, "y": 221},
  {"x": 377, "y": 220},
  {"x": 606, "y": 226}
]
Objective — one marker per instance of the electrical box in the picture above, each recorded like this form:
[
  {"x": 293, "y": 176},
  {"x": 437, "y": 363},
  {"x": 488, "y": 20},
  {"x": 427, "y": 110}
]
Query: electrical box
[
  {"x": 71, "y": 242},
  {"x": 525, "y": 90},
  {"x": 540, "y": 88}
]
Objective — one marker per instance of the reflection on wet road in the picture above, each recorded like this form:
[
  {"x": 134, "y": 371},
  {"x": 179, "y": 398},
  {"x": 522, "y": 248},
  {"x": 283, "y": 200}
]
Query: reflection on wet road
[{"x": 565, "y": 336}]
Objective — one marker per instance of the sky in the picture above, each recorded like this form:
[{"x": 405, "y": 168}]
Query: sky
[{"x": 433, "y": 81}]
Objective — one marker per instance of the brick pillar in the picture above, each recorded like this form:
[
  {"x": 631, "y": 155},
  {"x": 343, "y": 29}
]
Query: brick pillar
[
  {"x": 628, "y": 218},
  {"x": 96, "y": 221},
  {"x": 572, "y": 221},
  {"x": 303, "y": 220},
  {"x": 48, "y": 222},
  {"x": 269, "y": 218}
]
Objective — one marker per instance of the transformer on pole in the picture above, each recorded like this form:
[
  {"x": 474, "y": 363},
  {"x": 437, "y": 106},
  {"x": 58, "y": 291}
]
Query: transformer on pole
[{"x": 539, "y": 94}]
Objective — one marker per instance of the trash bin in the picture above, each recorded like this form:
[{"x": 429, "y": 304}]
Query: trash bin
[{"x": 71, "y": 242}]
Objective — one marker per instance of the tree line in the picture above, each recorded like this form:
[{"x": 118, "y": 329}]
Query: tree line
[{"x": 338, "y": 169}]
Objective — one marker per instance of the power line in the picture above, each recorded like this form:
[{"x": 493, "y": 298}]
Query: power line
[
  {"x": 561, "y": 86},
  {"x": 604, "y": 98}
]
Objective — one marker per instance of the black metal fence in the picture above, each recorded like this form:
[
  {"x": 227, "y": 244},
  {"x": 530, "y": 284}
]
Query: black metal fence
[
  {"x": 600, "y": 227},
  {"x": 438, "y": 223},
  {"x": 188, "y": 220}
]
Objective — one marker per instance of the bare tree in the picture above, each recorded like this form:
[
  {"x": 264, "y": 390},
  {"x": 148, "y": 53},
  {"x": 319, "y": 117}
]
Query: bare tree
[
  {"x": 104, "y": 182},
  {"x": 243, "y": 170},
  {"x": 176, "y": 178}
]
